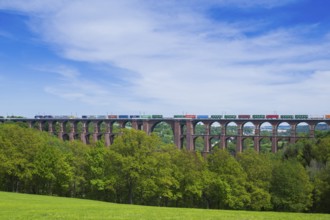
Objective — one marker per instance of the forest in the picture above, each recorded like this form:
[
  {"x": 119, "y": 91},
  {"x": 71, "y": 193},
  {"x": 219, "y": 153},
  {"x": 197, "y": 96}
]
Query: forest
[{"x": 143, "y": 169}]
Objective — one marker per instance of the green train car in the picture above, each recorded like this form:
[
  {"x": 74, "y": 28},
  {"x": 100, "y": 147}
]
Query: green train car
[
  {"x": 145, "y": 116},
  {"x": 301, "y": 116},
  {"x": 216, "y": 116},
  {"x": 287, "y": 117},
  {"x": 230, "y": 116},
  {"x": 178, "y": 116},
  {"x": 258, "y": 116},
  {"x": 156, "y": 116}
]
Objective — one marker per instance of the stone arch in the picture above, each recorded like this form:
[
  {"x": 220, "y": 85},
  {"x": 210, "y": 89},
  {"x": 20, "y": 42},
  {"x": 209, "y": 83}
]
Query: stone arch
[
  {"x": 65, "y": 137},
  {"x": 321, "y": 128},
  {"x": 90, "y": 126},
  {"x": 164, "y": 130},
  {"x": 249, "y": 129},
  {"x": 282, "y": 143},
  {"x": 128, "y": 124},
  {"x": 266, "y": 129},
  {"x": 302, "y": 129},
  {"x": 215, "y": 143},
  {"x": 231, "y": 128},
  {"x": 284, "y": 129},
  {"x": 102, "y": 127},
  {"x": 115, "y": 127},
  {"x": 215, "y": 128},
  {"x": 199, "y": 144},
  {"x": 247, "y": 143},
  {"x": 265, "y": 144},
  {"x": 231, "y": 143},
  {"x": 200, "y": 128}
]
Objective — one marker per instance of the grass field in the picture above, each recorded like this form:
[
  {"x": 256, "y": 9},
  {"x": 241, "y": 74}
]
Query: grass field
[{"x": 23, "y": 206}]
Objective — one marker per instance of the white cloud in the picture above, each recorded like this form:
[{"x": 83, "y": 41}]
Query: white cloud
[{"x": 183, "y": 60}]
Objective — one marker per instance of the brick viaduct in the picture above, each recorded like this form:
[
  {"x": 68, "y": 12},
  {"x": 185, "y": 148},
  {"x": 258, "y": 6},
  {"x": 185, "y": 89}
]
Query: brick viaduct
[{"x": 183, "y": 130}]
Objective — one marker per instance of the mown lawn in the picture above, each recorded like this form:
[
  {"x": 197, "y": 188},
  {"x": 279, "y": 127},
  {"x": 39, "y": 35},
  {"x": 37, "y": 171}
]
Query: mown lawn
[{"x": 23, "y": 206}]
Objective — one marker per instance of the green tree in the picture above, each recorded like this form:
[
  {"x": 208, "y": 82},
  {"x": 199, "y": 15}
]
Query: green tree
[
  {"x": 133, "y": 164},
  {"x": 290, "y": 189},
  {"x": 258, "y": 168},
  {"x": 231, "y": 172},
  {"x": 189, "y": 169}
]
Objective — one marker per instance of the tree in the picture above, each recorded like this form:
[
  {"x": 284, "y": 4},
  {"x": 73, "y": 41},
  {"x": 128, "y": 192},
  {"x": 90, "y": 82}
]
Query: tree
[
  {"x": 258, "y": 168},
  {"x": 231, "y": 172},
  {"x": 133, "y": 164},
  {"x": 290, "y": 189}
]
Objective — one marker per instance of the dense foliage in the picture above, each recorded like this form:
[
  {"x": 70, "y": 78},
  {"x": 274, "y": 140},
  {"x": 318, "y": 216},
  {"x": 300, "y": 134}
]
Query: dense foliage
[{"x": 142, "y": 169}]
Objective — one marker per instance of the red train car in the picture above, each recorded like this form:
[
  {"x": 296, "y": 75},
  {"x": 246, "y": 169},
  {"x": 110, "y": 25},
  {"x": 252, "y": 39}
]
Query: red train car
[
  {"x": 272, "y": 116},
  {"x": 190, "y": 116},
  {"x": 112, "y": 116},
  {"x": 244, "y": 116}
]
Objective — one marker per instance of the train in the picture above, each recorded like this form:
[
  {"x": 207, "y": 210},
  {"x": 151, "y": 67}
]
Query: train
[{"x": 189, "y": 116}]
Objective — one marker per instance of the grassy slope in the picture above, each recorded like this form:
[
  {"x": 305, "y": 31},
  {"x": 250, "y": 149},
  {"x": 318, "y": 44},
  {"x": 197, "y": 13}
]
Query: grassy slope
[{"x": 23, "y": 206}]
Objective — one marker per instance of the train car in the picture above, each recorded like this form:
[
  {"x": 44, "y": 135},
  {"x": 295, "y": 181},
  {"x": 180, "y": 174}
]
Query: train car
[
  {"x": 244, "y": 116},
  {"x": 1, "y": 116},
  {"x": 202, "y": 116},
  {"x": 286, "y": 116},
  {"x": 156, "y": 116},
  {"x": 38, "y": 116},
  {"x": 123, "y": 116},
  {"x": 145, "y": 116},
  {"x": 216, "y": 116},
  {"x": 190, "y": 116},
  {"x": 301, "y": 116},
  {"x": 178, "y": 116},
  {"x": 258, "y": 116},
  {"x": 272, "y": 116},
  {"x": 230, "y": 116},
  {"x": 134, "y": 116},
  {"x": 316, "y": 117},
  {"x": 327, "y": 116},
  {"x": 112, "y": 116},
  {"x": 101, "y": 116}
]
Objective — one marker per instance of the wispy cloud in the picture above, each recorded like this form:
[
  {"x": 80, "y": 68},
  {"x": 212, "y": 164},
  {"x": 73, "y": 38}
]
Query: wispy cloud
[{"x": 182, "y": 60}]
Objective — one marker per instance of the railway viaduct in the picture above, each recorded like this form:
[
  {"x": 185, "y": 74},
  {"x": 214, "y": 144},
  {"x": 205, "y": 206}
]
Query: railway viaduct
[{"x": 88, "y": 130}]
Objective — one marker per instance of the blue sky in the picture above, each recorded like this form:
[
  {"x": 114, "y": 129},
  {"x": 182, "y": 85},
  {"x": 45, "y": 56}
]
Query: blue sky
[{"x": 164, "y": 57}]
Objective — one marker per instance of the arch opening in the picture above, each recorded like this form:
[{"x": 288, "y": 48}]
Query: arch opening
[
  {"x": 249, "y": 129},
  {"x": 282, "y": 143},
  {"x": 200, "y": 128},
  {"x": 284, "y": 129},
  {"x": 231, "y": 143},
  {"x": 164, "y": 131},
  {"x": 247, "y": 143},
  {"x": 321, "y": 128},
  {"x": 266, "y": 129},
  {"x": 265, "y": 145},
  {"x": 215, "y": 143},
  {"x": 215, "y": 128},
  {"x": 199, "y": 144},
  {"x": 232, "y": 129},
  {"x": 302, "y": 129}
]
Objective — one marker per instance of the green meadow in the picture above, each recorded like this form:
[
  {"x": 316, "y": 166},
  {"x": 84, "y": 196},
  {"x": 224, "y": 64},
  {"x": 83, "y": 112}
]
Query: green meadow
[{"x": 24, "y": 206}]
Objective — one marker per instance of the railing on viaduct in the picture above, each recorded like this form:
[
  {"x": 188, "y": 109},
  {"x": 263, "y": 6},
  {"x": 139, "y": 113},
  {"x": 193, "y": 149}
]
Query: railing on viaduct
[{"x": 183, "y": 130}]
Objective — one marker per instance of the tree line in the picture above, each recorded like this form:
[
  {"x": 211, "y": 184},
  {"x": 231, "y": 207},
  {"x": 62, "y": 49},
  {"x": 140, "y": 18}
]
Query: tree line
[{"x": 141, "y": 169}]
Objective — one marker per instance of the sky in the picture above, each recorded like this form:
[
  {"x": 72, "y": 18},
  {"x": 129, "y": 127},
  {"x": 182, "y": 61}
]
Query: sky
[{"x": 97, "y": 57}]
